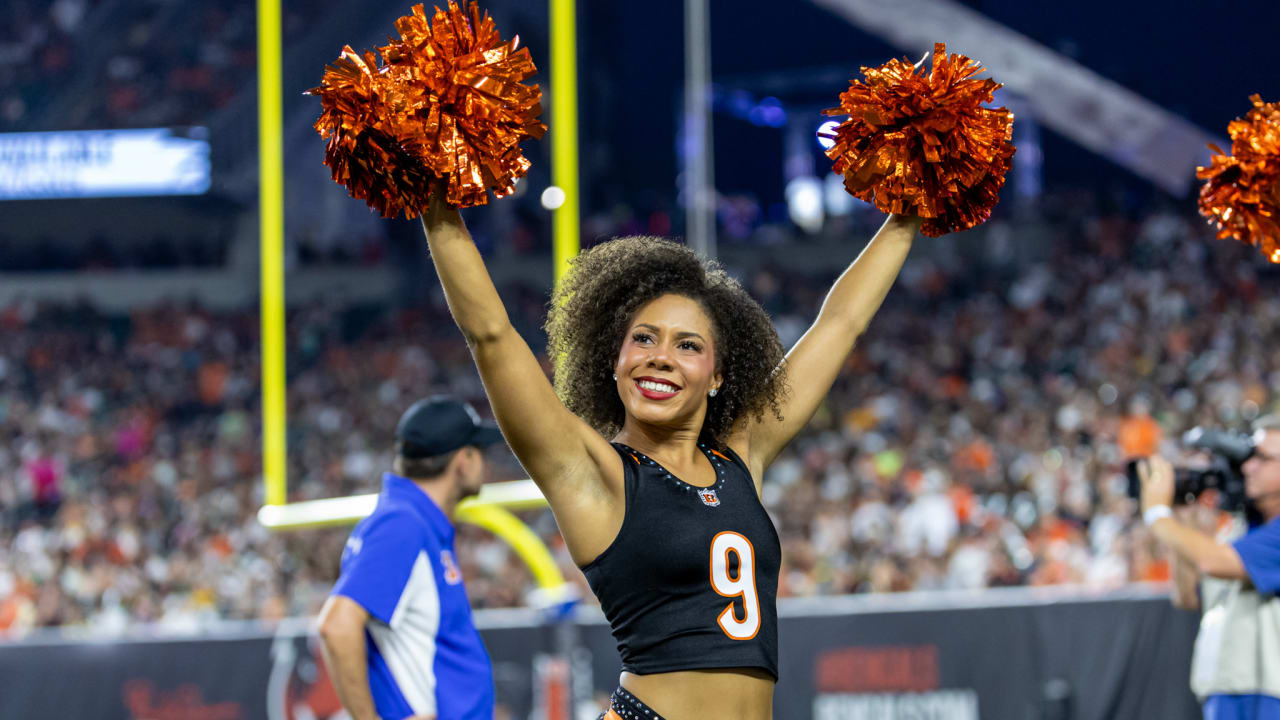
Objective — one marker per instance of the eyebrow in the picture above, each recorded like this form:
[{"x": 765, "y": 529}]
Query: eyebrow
[{"x": 679, "y": 335}]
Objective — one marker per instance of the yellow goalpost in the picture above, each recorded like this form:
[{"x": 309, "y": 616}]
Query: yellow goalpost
[{"x": 492, "y": 508}]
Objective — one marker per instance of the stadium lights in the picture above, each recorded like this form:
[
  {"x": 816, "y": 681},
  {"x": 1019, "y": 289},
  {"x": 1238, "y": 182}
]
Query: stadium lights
[
  {"x": 552, "y": 198},
  {"x": 804, "y": 203},
  {"x": 837, "y": 200},
  {"x": 825, "y": 132}
]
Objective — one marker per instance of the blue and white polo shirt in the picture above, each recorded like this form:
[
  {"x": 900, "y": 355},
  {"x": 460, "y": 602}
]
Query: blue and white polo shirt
[
  {"x": 1236, "y": 665},
  {"x": 425, "y": 654}
]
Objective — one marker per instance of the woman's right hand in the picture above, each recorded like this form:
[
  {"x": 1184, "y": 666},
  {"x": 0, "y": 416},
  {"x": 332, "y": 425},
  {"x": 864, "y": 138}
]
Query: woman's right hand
[
  {"x": 439, "y": 211},
  {"x": 575, "y": 467}
]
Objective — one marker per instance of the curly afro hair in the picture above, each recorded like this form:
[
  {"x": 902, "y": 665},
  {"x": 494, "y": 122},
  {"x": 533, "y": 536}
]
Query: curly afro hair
[{"x": 605, "y": 287}]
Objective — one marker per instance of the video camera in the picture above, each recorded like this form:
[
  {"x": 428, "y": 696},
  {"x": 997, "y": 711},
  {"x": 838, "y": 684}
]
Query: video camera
[{"x": 1228, "y": 452}]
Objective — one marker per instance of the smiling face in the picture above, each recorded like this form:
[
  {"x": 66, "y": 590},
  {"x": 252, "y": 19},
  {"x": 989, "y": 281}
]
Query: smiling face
[{"x": 667, "y": 363}]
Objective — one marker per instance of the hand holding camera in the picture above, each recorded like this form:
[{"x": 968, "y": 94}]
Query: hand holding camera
[
  {"x": 1179, "y": 486},
  {"x": 1157, "y": 487}
]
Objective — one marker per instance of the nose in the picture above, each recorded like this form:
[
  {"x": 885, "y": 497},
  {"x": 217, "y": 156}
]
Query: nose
[{"x": 658, "y": 358}]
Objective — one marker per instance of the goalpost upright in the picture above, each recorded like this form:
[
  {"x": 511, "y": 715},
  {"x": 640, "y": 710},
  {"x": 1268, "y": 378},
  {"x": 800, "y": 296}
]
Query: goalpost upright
[{"x": 491, "y": 510}]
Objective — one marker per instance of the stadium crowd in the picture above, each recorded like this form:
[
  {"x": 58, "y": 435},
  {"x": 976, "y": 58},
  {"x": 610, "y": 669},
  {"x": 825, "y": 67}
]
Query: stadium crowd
[
  {"x": 976, "y": 438},
  {"x": 154, "y": 63}
]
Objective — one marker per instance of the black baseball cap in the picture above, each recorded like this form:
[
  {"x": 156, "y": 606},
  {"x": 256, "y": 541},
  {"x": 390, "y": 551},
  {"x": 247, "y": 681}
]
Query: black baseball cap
[{"x": 441, "y": 424}]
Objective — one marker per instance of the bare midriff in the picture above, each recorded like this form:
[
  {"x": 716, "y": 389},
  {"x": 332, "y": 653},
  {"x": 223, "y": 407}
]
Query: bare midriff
[{"x": 719, "y": 694}]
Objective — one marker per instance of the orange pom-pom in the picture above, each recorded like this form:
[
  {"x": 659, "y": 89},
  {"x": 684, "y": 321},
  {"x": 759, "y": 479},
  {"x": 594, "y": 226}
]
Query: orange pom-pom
[
  {"x": 362, "y": 124},
  {"x": 447, "y": 102},
  {"x": 921, "y": 143},
  {"x": 1242, "y": 190}
]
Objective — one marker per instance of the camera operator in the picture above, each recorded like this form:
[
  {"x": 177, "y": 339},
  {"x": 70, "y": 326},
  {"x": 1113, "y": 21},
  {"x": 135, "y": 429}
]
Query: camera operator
[{"x": 1235, "y": 670}]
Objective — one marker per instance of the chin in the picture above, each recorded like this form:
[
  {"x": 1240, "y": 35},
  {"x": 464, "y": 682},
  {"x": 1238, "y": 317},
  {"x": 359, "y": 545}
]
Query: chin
[{"x": 655, "y": 417}]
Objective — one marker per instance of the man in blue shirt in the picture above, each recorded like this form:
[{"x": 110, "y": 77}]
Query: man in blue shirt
[
  {"x": 396, "y": 631},
  {"x": 1236, "y": 666}
]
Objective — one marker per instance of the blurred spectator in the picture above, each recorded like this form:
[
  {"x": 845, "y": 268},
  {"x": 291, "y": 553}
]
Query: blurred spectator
[
  {"x": 976, "y": 438},
  {"x": 167, "y": 64}
]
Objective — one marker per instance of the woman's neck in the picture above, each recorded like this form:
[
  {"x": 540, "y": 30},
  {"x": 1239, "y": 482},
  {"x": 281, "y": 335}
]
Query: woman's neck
[{"x": 677, "y": 445}]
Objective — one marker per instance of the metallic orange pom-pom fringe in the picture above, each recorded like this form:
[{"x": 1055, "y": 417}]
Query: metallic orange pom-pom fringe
[
  {"x": 1242, "y": 190},
  {"x": 447, "y": 102},
  {"x": 920, "y": 142}
]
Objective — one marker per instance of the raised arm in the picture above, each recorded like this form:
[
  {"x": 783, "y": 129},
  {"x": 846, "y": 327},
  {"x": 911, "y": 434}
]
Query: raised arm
[
  {"x": 817, "y": 357},
  {"x": 1186, "y": 582},
  {"x": 566, "y": 458}
]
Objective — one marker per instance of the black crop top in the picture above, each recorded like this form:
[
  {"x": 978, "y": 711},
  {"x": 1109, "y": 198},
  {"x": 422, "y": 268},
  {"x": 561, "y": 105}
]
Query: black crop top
[{"x": 691, "y": 580}]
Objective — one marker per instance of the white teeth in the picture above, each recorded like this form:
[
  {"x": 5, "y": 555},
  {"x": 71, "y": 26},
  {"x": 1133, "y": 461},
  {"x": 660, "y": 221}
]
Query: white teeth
[{"x": 657, "y": 387}]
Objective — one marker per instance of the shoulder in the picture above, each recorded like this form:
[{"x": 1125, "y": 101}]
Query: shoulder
[
  {"x": 1271, "y": 528},
  {"x": 738, "y": 442},
  {"x": 1264, "y": 536},
  {"x": 392, "y": 521}
]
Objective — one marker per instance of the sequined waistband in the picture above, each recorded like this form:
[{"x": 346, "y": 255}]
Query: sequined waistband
[{"x": 625, "y": 706}]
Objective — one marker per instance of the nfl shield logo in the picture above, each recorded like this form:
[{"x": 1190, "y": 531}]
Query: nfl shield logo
[{"x": 709, "y": 498}]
